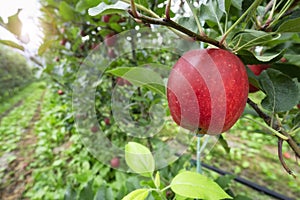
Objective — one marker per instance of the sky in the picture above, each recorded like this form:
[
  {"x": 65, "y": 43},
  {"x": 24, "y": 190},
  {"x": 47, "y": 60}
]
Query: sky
[{"x": 29, "y": 17}]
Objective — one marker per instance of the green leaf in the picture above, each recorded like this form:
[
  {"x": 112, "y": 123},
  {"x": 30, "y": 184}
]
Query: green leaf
[
  {"x": 249, "y": 38},
  {"x": 157, "y": 180},
  {"x": 102, "y": 8},
  {"x": 195, "y": 185},
  {"x": 291, "y": 70},
  {"x": 66, "y": 11},
  {"x": 224, "y": 143},
  {"x": 12, "y": 44},
  {"x": 14, "y": 24},
  {"x": 292, "y": 25},
  {"x": 139, "y": 194},
  {"x": 141, "y": 77},
  {"x": 43, "y": 48},
  {"x": 104, "y": 193},
  {"x": 282, "y": 92},
  {"x": 224, "y": 5},
  {"x": 139, "y": 159},
  {"x": 86, "y": 192},
  {"x": 70, "y": 194},
  {"x": 85, "y": 4},
  {"x": 249, "y": 58},
  {"x": 224, "y": 181}
]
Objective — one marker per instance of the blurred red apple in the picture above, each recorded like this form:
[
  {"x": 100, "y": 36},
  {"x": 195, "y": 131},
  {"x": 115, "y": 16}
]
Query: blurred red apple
[
  {"x": 63, "y": 42},
  {"x": 110, "y": 40},
  {"x": 106, "y": 18},
  {"x": 122, "y": 82},
  {"x": 94, "y": 129},
  {"x": 107, "y": 121},
  {"x": 256, "y": 69},
  {"x": 60, "y": 92},
  {"x": 111, "y": 53},
  {"x": 115, "y": 162}
]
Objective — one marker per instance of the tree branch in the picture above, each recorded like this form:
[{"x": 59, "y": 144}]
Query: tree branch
[
  {"x": 174, "y": 25},
  {"x": 275, "y": 126}
]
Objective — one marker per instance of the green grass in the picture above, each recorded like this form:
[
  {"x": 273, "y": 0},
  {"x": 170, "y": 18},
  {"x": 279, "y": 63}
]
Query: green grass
[{"x": 5, "y": 105}]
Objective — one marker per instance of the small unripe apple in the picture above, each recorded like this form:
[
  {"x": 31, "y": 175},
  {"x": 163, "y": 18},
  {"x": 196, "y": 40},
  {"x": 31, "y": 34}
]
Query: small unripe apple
[
  {"x": 207, "y": 90},
  {"x": 107, "y": 121},
  {"x": 60, "y": 92},
  {"x": 110, "y": 40},
  {"x": 115, "y": 162},
  {"x": 256, "y": 69},
  {"x": 94, "y": 129},
  {"x": 106, "y": 18}
]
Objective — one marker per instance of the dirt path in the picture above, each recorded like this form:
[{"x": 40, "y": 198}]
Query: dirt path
[{"x": 18, "y": 176}]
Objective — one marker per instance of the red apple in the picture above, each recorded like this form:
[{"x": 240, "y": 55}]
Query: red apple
[
  {"x": 60, "y": 92},
  {"x": 94, "y": 129},
  {"x": 83, "y": 33},
  {"x": 286, "y": 155},
  {"x": 283, "y": 59},
  {"x": 95, "y": 46},
  {"x": 256, "y": 69},
  {"x": 122, "y": 82},
  {"x": 111, "y": 53},
  {"x": 63, "y": 42},
  {"x": 298, "y": 106},
  {"x": 110, "y": 40},
  {"x": 115, "y": 162},
  {"x": 207, "y": 90},
  {"x": 107, "y": 121},
  {"x": 106, "y": 18},
  {"x": 57, "y": 59}
]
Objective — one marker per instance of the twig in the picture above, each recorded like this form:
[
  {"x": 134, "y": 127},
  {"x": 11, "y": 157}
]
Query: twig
[
  {"x": 284, "y": 165},
  {"x": 172, "y": 24},
  {"x": 275, "y": 126},
  {"x": 133, "y": 8}
]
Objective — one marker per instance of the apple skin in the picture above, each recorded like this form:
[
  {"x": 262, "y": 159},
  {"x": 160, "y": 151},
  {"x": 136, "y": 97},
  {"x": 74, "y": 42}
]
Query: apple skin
[
  {"x": 298, "y": 106},
  {"x": 60, "y": 92},
  {"x": 115, "y": 162},
  {"x": 110, "y": 40},
  {"x": 256, "y": 69},
  {"x": 207, "y": 89}
]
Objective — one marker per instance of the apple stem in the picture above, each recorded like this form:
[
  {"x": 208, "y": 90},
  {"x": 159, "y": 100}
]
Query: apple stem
[
  {"x": 199, "y": 166},
  {"x": 168, "y": 8}
]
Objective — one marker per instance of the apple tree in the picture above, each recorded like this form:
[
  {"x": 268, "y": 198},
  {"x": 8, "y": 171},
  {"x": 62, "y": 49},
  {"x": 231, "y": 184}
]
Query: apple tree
[{"x": 219, "y": 48}]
